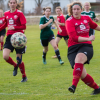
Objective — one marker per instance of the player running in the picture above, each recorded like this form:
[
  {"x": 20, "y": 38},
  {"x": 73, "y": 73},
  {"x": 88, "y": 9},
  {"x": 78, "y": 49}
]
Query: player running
[
  {"x": 61, "y": 23},
  {"x": 80, "y": 49},
  {"x": 91, "y": 14},
  {"x": 2, "y": 32},
  {"x": 47, "y": 34},
  {"x": 16, "y": 22}
]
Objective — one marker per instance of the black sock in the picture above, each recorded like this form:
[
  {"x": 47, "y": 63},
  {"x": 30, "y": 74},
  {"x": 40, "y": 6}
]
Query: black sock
[
  {"x": 58, "y": 54},
  {"x": 44, "y": 54}
]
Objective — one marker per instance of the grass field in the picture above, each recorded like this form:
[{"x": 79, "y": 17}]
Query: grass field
[{"x": 50, "y": 81}]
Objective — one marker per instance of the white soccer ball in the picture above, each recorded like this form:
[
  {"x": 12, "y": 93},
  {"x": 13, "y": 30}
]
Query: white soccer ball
[{"x": 18, "y": 40}]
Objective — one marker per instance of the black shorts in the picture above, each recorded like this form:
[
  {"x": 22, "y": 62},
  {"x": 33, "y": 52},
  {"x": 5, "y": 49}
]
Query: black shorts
[
  {"x": 65, "y": 37},
  {"x": 46, "y": 42},
  {"x": 3, "y": 32},
  {"x": 9, "y": 46},
  {"x": 91, "y": 32},
  {"x": 87, "y": 49}
]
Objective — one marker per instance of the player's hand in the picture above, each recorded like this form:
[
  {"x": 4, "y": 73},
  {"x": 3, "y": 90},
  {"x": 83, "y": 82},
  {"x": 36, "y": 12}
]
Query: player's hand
[
  {"x": 11, "y": 28},
  {"x": 51, "y": 20},
  {"x": 60, "y": 30},
  {"x": 92, "y": 38}
]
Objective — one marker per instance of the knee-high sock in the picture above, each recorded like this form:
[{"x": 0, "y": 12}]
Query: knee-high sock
[
  {"x": 44, "y": 54},
  {"x": 88, "y": 80},
  {"x": 2, "y": 45},
  {"x": 22, "y": 69},
  {"x": 77, "y": 72},
  {"x": 10, "y": 61},
  {"x": 58, "y": 54}
]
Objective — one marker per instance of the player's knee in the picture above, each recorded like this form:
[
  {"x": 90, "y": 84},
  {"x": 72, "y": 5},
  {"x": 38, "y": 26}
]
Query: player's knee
[
  {"x": 19, "y": 60},
  {"x": 55, "y": 47},
  {"x": 5, "y": 57}
]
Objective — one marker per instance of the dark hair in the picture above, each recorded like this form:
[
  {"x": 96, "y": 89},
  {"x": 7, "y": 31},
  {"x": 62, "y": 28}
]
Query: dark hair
[
  {"x": 19, "y": 5},
  {"x": 70, "y": 6},
  {"x": 44, "y": 9}
]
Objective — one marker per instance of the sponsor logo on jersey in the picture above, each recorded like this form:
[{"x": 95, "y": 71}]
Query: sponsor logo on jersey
[
  {"x": 76, "y": 23},
  {"x": 15, "y": 17},
  {"x": 85, "y": 21},
  {"x": 1, "y": 21},
  {"x": 82, "y": 27},
  {"x": 7, "y": 17},
  {"x": 11, "y": 21}
]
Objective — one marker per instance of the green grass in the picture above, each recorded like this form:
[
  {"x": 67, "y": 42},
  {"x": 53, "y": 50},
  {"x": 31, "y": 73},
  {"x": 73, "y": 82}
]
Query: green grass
[{"x": 50, "y": 81}]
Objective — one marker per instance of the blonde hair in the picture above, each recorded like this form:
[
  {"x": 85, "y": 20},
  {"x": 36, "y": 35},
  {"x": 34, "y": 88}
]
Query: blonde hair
[
  {"x": 19, "y": 5},
  {"x": 88, "y": 3},
  {"x": 2, "y": 12},
  {"x": 44, "y": 9},
  {"x": 70, "y": 6},
  {"x": 58, "y": 8}
]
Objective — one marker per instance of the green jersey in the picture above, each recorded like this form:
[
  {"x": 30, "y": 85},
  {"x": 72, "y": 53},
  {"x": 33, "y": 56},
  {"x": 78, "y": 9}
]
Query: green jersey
[
  {"x": 91, "y": 14},
  {"x": 67, "y": 16},
  {"x": 46, "y": 32}
]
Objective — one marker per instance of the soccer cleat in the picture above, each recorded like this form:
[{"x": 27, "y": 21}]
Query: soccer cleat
[
  {"x": 54, "y": 56},
  {"x": 96, "y": 91},
  {"x": 15, "y": 70},
  {"x": 24, "y": 79},
  {"x": 44, "y": 60},
  {"x": 72, "y": 88},
  {"x": 61, "y": 62}
]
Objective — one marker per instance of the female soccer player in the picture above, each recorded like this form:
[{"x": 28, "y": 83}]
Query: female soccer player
[
  {"x": 61, "y": 23},
  {"x": 91, "y": 14},
  {"x": 47, "y": 34},
  {"x": 80, "y": 49},
  {"x": 16, "y": 22},
  {"x": 2, "y": 33}
]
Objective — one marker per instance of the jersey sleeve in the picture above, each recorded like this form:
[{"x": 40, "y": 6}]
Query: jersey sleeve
[
  {"x": 71, "y": 30},
  {"x": 42, "y": 21},
  {"x": 94, "y": 16},
  {"x": 22, "y": 19},
  {"x": 92, "y": 24}
]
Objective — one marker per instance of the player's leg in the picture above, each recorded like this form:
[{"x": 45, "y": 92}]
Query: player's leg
[
  {"x": 20, "y": 63},
  {"x": 80, "y": 59},
  {"x": 53, "y": 43},
  {"x": 44, "y": 43},
  {"x": 45, "y": 50},
  {"x": 57, "y": 41},
  {"x": 1, "y": 40},
  {"x": 66, "y": 39}
]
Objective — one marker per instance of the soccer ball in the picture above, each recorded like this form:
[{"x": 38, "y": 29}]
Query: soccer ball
[{"x": 18, "y": 40}]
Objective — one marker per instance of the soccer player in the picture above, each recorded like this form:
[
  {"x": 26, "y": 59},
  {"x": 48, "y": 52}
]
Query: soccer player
[
  {"x": 2, "y": 32},
  {"x": 47, "y": 34},
  {"x": 80, "y": 49},
  {"x": 91, "y": 14},
  {"x": 61, "y": 23},
  {"x": 16, "y": 22}
]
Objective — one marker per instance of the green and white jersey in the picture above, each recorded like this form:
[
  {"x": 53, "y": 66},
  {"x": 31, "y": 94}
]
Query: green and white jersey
[
  {"x": 91, "y": 14},
  {"x": 46, "y": 32},
  {"x": 67, "y": 16}
]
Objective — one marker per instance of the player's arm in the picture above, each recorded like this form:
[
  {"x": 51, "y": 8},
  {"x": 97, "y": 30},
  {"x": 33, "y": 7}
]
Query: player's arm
[
  {"x": 72, "y": 33},
  {"x": 42, "y": 25},
  {"x": 59, "y": 29},
  {"x": 3, "y": 26},
  {"x": 61, "y": 24}
]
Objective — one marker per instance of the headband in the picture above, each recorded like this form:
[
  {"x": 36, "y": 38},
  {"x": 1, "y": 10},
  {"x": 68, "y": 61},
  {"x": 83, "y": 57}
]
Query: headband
[{"x": 77, "y": 4}]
